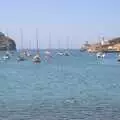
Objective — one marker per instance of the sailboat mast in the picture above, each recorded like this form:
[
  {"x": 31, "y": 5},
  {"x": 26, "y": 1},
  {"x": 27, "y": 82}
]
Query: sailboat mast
[
  {"x": 37, "y": 39},
  {"x": 58, "y": 44},
  {"x": 29, "y": 44},
  {"x": 49, "y": 41},
  {"x": 21, "y": 34},
  {"x": 67, "y": 42},
  {"x": 71, "y": 45}
]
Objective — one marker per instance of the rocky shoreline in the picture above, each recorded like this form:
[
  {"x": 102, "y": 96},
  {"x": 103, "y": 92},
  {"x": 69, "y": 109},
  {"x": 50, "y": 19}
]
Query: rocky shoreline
[
  {"x": 103, "y": 46},
  {"x": 6, "y": 43}
]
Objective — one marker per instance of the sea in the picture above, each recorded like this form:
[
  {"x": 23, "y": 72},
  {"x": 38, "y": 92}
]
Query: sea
[{"x": 75, "y": 87}]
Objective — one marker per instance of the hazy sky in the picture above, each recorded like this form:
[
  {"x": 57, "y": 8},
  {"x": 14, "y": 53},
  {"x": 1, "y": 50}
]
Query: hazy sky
[{"x": 81, "y": 20}]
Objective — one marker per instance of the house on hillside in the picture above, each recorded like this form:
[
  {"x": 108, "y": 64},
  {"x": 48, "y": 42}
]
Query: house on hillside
[
  {"x": 116, "y": 47},
  {"x": 94, "y": 48}
]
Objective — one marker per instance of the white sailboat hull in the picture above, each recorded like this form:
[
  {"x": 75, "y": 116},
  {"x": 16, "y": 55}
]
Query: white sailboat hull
[{"x": 36, "y": 59}]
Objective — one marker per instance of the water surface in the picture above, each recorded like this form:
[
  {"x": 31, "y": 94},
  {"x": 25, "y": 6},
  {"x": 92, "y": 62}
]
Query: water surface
[{"x": 77, "y": 87}]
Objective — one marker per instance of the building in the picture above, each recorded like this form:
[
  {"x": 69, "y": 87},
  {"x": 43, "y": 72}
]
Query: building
[{"x": 116, "y": 47}]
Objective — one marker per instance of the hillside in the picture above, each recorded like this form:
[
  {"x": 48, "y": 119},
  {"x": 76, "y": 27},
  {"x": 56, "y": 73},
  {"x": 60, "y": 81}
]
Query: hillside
[{"x": 6, "y": 43}]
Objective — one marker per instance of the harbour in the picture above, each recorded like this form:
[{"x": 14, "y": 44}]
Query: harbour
[{"x": 75, "y": 87}]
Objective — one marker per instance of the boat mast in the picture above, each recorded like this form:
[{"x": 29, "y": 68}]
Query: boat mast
[
  {"x": 29, "y": 44},
  {"x": 59, "y": 44},
  {"x": 71, "y": 45},
  {"x": 21, "y": 34},
  {"x": 67, "y": 44},
  {"x": 37, "y": 39},
  {"x": 49, "y": 41}
]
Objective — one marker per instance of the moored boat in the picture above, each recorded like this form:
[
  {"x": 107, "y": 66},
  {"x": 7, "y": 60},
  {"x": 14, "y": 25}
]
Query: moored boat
[
  {"x": 67, "y": 53},
  {"x": 20, "y": 58},
  {"x": 36, "y": 58},
  {"x": 100, "y": 55},
  {"x": 60, "y": 53}
]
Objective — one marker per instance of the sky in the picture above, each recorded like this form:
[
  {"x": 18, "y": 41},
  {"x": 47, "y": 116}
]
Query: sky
[{"x": 78, "y": 20}]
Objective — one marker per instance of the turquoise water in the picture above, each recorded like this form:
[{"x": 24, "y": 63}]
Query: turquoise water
[{"x": 78, "y": 87}]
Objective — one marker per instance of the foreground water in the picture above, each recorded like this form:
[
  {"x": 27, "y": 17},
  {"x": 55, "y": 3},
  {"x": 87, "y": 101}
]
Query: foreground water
[{"x": 78, "y": 87}]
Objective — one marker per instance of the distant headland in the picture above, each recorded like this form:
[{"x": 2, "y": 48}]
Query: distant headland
[
  {"x": 6, "y": 43},
  {"x": 112, "y": 45}
]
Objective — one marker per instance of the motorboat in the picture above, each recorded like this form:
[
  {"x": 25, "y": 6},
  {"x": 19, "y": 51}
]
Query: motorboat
[
  {"x": 6, "y": 57},
  {"x": 47, "y": 53},
  {"x": 60, "y": 53},
  {"x": 100, "y": 55},
  {"x": 20, "y": 58}
]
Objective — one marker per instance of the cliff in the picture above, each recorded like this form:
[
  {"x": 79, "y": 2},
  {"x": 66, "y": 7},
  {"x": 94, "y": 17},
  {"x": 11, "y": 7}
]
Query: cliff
[{"x": 6, "y": 43}]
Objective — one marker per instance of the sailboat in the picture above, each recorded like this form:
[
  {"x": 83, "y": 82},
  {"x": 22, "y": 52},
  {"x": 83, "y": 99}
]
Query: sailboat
[
  {"x": 21, "y": 56},
  {"x": 67, "y": 53},
  {"x": 59, "y": 52},
  {"x": 27, "y": 52},
  {"x": 36, "y": 58},
  {"x": 48, "y": 53}
]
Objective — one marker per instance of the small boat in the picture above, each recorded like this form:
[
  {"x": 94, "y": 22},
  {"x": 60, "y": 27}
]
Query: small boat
[
  {"x": 6, "y": 57},
  {"x": 22, "y": 53},
  {"x": 103, "y": 55},
  {"x": 67, "y": 53},
  {"x": 47, "y": 53},
  {"x": 118, "y": 55},
  {"x": 20, "y": 58},
  {"x": 118, "y": 58},
  {"x": 27, "y": 53},
  {"x": 82, "y": 49},
  {"x": 60, "y": 53},
  {"x": 100, "y": 55},
  {"x": 36, "y": 58}
]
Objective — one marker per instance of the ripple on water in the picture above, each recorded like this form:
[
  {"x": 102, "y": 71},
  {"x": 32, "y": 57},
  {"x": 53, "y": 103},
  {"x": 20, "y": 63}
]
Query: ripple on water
[{"x": 67, "y": 88}]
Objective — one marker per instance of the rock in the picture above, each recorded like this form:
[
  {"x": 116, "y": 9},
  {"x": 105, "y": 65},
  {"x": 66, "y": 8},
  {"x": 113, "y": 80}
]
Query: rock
[{"x": 6, "y": 43}]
